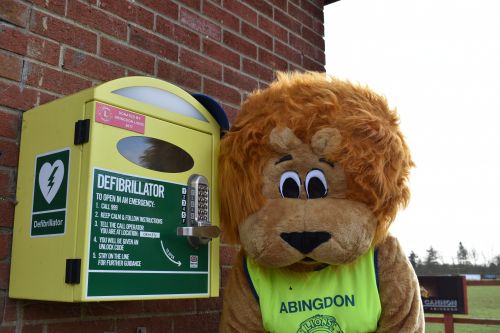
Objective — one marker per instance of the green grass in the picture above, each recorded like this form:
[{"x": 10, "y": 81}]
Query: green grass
[{"x": 484, "y": 303}]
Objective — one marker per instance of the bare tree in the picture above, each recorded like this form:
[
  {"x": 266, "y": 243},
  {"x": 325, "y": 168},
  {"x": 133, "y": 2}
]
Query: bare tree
[
  {"x": 432, "y": 257},
  {"x": 462, "y": 255}
]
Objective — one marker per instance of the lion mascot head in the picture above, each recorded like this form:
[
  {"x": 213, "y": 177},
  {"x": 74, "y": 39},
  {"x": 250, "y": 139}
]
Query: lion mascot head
[{"x": 312, "y": 163}]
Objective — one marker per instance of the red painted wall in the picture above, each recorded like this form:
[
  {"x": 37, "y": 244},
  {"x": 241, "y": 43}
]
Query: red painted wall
[{"x": 52, "y": 48}]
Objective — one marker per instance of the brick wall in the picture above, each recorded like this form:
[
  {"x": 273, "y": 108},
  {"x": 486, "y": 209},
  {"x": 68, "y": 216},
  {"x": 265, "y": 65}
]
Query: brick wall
[{"x": 52, "y": 48}]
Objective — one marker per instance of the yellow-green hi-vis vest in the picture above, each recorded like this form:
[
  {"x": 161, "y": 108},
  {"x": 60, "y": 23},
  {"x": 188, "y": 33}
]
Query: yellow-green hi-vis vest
[{"x": 337, "y": 299}]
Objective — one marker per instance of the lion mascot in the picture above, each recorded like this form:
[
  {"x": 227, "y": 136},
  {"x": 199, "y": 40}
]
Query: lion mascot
[{"x": 312, "y": 174}]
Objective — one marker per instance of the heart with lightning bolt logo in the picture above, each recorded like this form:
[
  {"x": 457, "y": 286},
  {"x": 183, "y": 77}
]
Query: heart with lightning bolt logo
[{"x": 50, "y": 179}]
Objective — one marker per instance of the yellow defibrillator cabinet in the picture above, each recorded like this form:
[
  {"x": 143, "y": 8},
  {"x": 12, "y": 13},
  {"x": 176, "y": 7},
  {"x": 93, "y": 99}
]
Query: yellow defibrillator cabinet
[{"x": 117, "y": 195}]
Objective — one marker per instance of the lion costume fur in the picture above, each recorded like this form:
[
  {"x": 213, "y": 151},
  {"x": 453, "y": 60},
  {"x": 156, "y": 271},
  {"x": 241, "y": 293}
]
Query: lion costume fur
[{"x": 304, "y": 122}]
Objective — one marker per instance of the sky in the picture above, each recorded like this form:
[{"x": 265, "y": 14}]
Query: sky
[{"x": 438, "y": 64}]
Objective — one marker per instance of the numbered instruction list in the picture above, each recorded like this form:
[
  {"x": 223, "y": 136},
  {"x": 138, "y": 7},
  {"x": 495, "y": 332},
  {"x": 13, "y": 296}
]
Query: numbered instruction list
[
  {"x": 133, "y": 229},
  {"x": 129, "y": 215}
]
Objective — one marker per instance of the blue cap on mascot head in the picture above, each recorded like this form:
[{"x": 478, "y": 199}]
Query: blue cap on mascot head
[{"x": 215, "y": 110}]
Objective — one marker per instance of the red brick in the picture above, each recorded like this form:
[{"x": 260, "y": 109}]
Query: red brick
[
  {"x": 241, "y": 10},
  {"x": 55, "y": 81},
  {"x": 318, "y": 26},
  {"x": 43, "y": 50},
  {"x": 64, "y": 32},
  {"x": 318, "y": 3},
  {"x": 199, "y": 323},
  {"x": 200, "y": 64},
  {"x": 313, "y": 9},
  {"x": 12, "y": 39},
  {"x": 9, "y": 153},
  {"x": 7, "y": 215},
  {"x": 165, "y": 7},
  {"x": 30, "y": 45},
  {"x": 221, "y": 53},
  {"x": 299, "y": 14},
  {"x": 272, "y": 60},
  {"x": 153, "y": 44},
  {"x": 200, "y": 24},
  {"x": 90, "y": 66},
  {"x": 10, "y": 311},
  {"x": 45, "y": 98},
  {"x": 281, "y": 4},
  {"x": 257, "y": 70},
  {"x": 97, "y": 19},
  {"x": 239, "y": 44},
  {"x": 170, "y": 306},
  {"x": 225, "y": 18},
  {"x": 130, "y": 12},
  {"x": 273, "y": 29},
  {"x": 5, "y": 242},
  {"x": 16, "y": 97},
  {"x": 221, "y": 92},
  {"x": 131, "y": 72},
  {"x": 11, "y": 66},
  {"x": 32, "y": 328},
  {"x": 3, "y": 296},
  {"x": 15, "y": 12},
  {"x": 9, "y": 124},
  {"x": 313, "y": 37},
  {"x": 127, "y": 56},
  {"x": 55, "y": 6},
  {"x": 239, "y": 80},
  {"x": 285, "y": 20},
  {"x": 179, "y": 76},
  {"x": 294, "y": 67},
  {"x": 195, "y": 4},
  {"x": 312, "y": 65},
  {"x": 307, "y": 49},
  {"x": 4, "y": 275},
  {"x": 179, "y": 34},
  {"x": 287, "y": 52},
  {"x": 7, "y": 329},
  {"x": 256, "y": 36},
  {"x": 82, "y": 326},
  {"x": 130, "y": 325},
  {"x": 162, "y": 325},
  {"x": 38, "y": 310},
  {"x": 261, "y": 6},
  {"x": 231, "y": 112},
  {"x": 112, "y": 308},
  {"x": 208, "y": 304}
]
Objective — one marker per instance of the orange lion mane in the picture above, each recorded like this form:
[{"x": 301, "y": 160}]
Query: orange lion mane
[{"x": 373, "y": 152}]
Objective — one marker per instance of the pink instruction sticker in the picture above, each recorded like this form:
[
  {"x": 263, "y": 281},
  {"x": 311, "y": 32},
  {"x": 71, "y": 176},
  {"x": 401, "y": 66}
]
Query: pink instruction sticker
[{"x": 113, "y": 116}]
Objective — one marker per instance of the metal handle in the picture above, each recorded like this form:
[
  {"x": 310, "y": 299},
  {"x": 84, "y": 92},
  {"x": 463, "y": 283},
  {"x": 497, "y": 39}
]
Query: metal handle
[{"x": 206, "y": 231}]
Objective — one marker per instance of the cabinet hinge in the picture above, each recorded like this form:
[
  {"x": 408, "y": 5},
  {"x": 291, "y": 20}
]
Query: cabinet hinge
[
  {"x": 73, "y": 270},
  {"x": 82, "y": 131}
]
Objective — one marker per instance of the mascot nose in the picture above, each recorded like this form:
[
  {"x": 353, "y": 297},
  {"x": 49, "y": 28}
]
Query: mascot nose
[{"x": 305, "y": 242}]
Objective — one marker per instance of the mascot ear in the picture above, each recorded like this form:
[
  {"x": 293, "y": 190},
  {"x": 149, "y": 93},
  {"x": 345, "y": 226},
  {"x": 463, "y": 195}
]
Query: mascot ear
[
  {"x": 326, "y": 141},
  {"x": 283, "y": 140}
]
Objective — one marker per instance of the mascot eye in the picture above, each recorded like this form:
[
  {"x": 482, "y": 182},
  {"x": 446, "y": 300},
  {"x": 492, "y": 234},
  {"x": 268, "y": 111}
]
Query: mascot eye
[
  {"x": 316, "y": 185},
  {"x": 290, "y": 184}
]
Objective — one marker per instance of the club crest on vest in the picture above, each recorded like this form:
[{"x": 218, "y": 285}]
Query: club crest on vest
[{"x": 320, "y": 323}]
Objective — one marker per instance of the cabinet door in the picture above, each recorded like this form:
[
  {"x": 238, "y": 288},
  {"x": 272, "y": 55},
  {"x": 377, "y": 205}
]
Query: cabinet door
[{"x": 136, "y": 189}]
